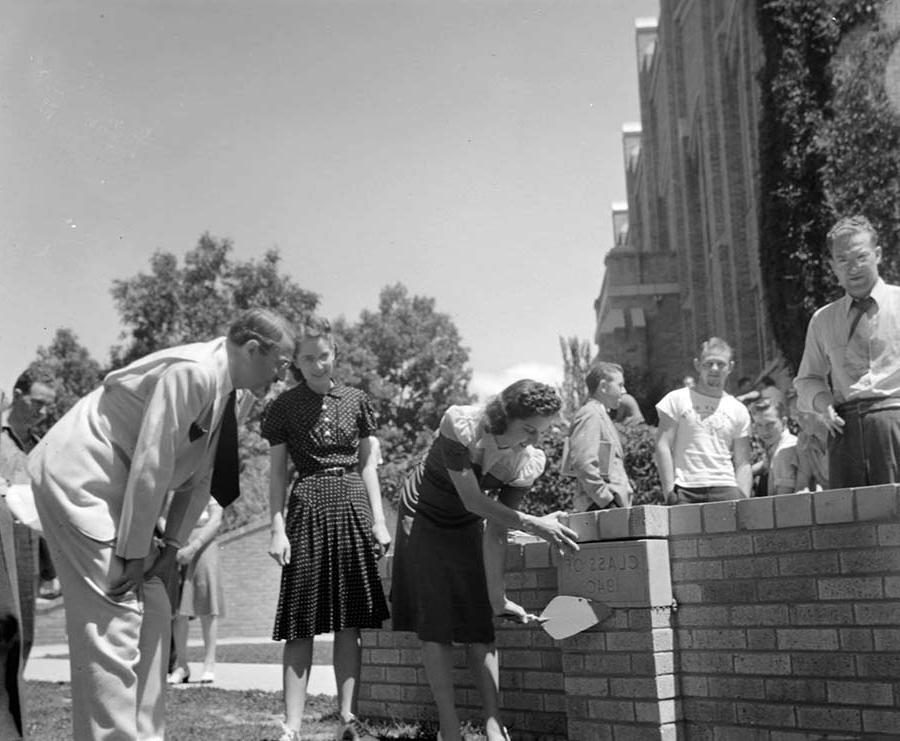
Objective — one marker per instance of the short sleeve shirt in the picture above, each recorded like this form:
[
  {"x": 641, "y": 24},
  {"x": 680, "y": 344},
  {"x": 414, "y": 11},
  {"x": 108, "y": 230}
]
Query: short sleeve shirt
[
  {"x": 706, "y": 428},
  {"x": 320, "y": 431}
]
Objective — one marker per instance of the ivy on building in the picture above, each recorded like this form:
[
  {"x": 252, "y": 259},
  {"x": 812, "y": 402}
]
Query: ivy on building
[{"x": 828, "y": 148}]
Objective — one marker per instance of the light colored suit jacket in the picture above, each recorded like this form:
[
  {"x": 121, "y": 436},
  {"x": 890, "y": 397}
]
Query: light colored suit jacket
[
  {"x": 599, "y": 481},
  {"x": 150, "y": 428}
]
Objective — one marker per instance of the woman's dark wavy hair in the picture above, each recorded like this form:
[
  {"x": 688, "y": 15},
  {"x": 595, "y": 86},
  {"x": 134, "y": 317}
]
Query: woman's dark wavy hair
[{"x": 520, "y": 400}]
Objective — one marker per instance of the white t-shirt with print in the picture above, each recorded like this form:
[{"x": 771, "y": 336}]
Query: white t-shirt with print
[{"x": 706, "y": 428}]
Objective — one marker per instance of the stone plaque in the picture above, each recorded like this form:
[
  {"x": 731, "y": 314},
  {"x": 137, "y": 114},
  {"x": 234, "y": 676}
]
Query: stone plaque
[{"x": 623, "y": 574}]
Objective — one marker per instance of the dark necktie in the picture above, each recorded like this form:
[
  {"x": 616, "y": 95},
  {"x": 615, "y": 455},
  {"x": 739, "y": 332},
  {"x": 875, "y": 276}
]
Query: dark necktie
[
  {"x": 859, "y": 306},
  {"x": 226, "y": 479}
]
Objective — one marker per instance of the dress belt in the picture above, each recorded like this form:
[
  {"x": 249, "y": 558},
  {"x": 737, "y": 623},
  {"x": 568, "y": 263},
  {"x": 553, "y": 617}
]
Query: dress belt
[
  {"x": 868, "y": 405},
  {"x": 333, "y": 471}
]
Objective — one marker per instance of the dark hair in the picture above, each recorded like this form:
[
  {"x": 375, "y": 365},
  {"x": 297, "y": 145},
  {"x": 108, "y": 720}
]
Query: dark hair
[
  {"x": 767, "y": 381},
  {"x": 312, "y": 328},
  {"x": 850, "y": 225},
  {"x": 520, "y": 400},
  {"x": 600, "y": 371},
  {"x": 24, "y": 382},
  {"x": 764, "y": 405},
  {"x": 262, "y": 325}
]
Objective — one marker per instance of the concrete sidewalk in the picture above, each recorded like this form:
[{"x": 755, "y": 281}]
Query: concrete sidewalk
[{"x": 229, "y": 676}]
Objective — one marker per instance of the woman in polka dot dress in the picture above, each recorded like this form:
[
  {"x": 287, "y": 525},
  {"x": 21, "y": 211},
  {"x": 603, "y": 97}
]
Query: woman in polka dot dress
[{"x": 334, "y": 532}]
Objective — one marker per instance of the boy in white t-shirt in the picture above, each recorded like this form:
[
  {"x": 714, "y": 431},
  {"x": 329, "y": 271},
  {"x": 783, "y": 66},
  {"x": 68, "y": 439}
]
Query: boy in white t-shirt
[{"x": 703, "y": 442}]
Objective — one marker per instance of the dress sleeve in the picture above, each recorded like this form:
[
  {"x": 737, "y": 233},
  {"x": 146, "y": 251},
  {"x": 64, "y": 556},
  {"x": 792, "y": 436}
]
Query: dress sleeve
[
  {"x": 365, "y": 420},
  {"x": 530, "y": 469},
  {"x": 456, "y": 431},
  {"x": 274, "y": 423}
]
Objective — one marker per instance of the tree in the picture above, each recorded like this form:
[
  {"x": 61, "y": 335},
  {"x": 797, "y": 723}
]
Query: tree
[
  {"x": 67, "y": 366},
  {"x": 828, "y": 147},
  {"x": 173, "y": 305},
  {"x": 409, "y": 358},
  {"x": 576, "y": 355}
]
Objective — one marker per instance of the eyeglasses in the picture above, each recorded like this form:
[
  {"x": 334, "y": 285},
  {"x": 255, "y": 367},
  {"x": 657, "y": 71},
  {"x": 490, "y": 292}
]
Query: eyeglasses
[{"x": 715, "y": 364}]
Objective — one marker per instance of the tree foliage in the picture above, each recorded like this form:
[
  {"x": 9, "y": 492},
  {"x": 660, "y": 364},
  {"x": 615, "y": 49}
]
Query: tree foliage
[
  {"x": 174, "y": 304},
  {"x": 408, "y": 356},
  {"x": 67, "y": 366},
  {"x": 576, "y": 357},
  {"x": 828, "y": 147}
]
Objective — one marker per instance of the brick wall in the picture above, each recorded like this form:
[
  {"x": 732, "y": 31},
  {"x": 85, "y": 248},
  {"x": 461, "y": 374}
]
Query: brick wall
[{"x": 785, "y": 625}]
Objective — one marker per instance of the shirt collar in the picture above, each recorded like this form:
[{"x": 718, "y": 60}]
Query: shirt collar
[{"x": 879, "y": 289}]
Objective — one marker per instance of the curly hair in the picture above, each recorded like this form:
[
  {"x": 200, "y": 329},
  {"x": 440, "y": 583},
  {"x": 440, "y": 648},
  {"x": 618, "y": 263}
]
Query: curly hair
[{"x": 520, "y": 400}]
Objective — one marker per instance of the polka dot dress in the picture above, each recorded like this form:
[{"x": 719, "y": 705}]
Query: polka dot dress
[{"x": 332, "y": 580}]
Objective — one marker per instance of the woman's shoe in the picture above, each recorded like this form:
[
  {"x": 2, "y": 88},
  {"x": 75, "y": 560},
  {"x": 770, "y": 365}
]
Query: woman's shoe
[
  {"x": 208, "y": 677},
  {"x": 288, "y": 734},
  {"x": 179, "y": 676}
]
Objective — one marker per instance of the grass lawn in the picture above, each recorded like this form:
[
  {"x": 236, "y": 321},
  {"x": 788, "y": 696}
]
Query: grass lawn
[{"x": 207, "y": 713}]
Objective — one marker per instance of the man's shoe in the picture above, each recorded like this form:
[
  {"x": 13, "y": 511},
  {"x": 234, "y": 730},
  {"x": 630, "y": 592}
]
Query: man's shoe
[
  {"x": 354, "y": 730},
  {"x": 179, "y": 676}
]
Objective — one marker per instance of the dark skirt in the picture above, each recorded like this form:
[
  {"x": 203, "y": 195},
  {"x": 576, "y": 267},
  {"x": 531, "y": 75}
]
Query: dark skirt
[
  {"x": 332, "y": 581},
  {"x": 438, "y": 585}
]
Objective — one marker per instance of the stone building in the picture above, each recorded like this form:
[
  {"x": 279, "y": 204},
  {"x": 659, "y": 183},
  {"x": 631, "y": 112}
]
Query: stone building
[{"x": 685, "y": 260}]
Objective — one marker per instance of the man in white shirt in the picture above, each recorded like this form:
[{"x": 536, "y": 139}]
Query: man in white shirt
[
  {"x": 703, "y": 440},
  {"x": 850, "y": 370}
]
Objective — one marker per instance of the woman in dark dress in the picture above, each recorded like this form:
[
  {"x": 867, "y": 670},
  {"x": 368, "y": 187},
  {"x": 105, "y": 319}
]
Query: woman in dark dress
[
  {"x": 451, "y": 527},
  {"x": 334, "y": 531}
]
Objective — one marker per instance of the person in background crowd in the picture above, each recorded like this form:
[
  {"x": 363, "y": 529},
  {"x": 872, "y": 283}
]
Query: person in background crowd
[
  {"x": 628, "y": 413},
  {"x": 101, "y": 476},
  {"x": 334, "y": 531},
  {"x": 200, "y": 596},
  {"x": 18, "y": 548},
  {"x": 594, "y": 454},
  {"x": 703, "y": 440},
  {"x": 447, "y": 578},
  {"x": 850, "y": 370},
  {"x": 770, "y": 424}
]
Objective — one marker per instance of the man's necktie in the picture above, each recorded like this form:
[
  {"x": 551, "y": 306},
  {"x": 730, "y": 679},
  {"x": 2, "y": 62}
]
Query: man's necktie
[
  {"x": 226, "y": 479},
  {"x": 858, "y": 307}
]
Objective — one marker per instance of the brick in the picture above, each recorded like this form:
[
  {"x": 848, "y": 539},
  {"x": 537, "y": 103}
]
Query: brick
[
  {"x": 892, "y": 587},
  {"x": 876, "y": 502},
  {"x": 719, "y": 517},
  {"x": 726, "y": 545},
  {"x": 743, "y": 687},
  {"x": 761, "y": 639},
  {"x": 809, "y": 639},
  {"x": 643, "y": 687},
  {"x": 649, "y": 521},
  {"x": 386, "y": 692},
  {"x": 695, "y": 686},
  {"x": 877, "y": 613},
  {"x": 855, "y": 588},
  {"x": 607, "y": 664},
  {"x": 685, "y": 519},
  {"x": 859, "y": 693},
  {"x": 765, "y": 714},
  {"x": 881, "y": 721},
  {"x": 757, "y": 513},
  {"x": 743, "y": 590},
  {"x": 611, "y": 710},
  {"x": 821, "y": 613},
  {"x": 793, "y": 510},
  {"x": 804, "y": 564},
  {"x": 762, "y": 663},
  {"x": 871, "y": 560},
  {"x": 629, "y": 641},
  {"x": 822, "y": 665},
  {"x": 830, "y": 718},
  {"x": 887, "y": 639},
  {"x": 536, "y": 555},
  {"x": 613, "y": 524},
  {"x": 691, "y": 615},
  {"x": 663, "y": 661},
  {"x": 584, "y": 524},
  {"x": 833, "y": 506},
  {"x": 781, "y": 541},
  {"x": 696, "y": 570},
  {"x": 709, "y": 711},
  {"x": 857, "y": 639},
  {"x": 888, "y": 534},
  {"x": 687, "y": 593},
  {"x": 543, "y": 681},
  {"x": 755, "y": 567},
  {"x": 844, "y": 536},
  {"x": 759, "y": 615},
  {"x": 684, "y": 548},
  {"x": 795, "y": 690},
  {"x": 522, "y": 659},
  {"x": 878, "y": 665},
  {"x": 655, "y": 713},
  {"x": 706, "y": 662},
  {"x": 787, "y": 590},
  {"x": 713, "y": 639},
  {"x": 400, "y": 674}
]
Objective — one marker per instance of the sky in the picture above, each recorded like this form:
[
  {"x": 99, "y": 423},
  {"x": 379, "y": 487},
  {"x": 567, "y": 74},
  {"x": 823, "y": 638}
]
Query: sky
[{"x": 468, "y": 149}]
